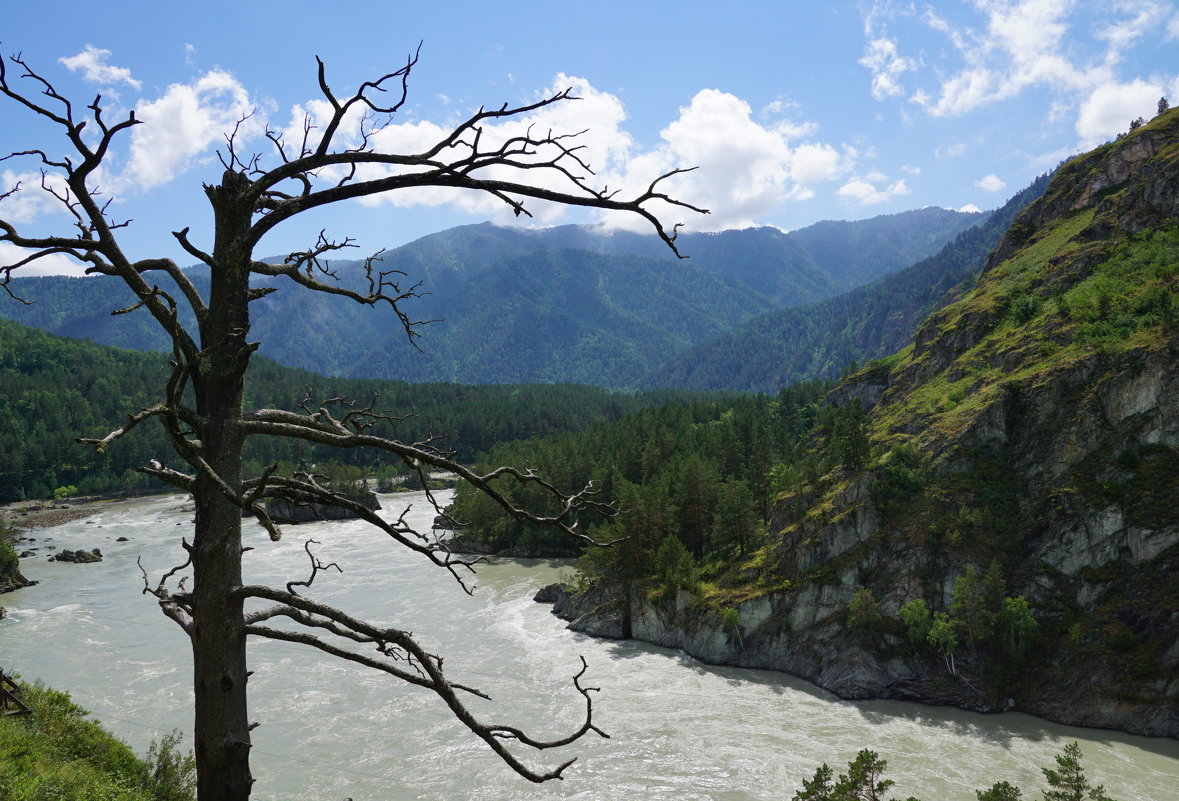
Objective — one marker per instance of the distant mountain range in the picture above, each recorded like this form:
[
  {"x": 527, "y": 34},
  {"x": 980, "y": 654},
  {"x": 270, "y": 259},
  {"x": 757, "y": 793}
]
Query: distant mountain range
[
  {"x": 566, "y": 304},
  {"x": 821, "y": 340}
]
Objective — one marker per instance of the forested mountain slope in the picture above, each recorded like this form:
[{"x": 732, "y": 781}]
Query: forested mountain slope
[
  {"x": 987, "y": 518},
  {"x": 820, "y": 340},
  {"x": 513, "y": 305},
  {"x": 54, "y": 389}
]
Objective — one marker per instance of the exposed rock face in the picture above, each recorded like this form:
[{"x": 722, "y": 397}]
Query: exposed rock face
[
  {"x": 1057, "y": 459},
  {"x": 469, "y": 545},
  {"x": 867, "y": 388},
  {"x": 283, "y": 511},
  {"x": 14, "y": 581},
  {"x": 764, "y": 638}
]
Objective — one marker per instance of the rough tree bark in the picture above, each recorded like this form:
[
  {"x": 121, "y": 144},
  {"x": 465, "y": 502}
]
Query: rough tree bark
[{"x": 210, "y": 365}]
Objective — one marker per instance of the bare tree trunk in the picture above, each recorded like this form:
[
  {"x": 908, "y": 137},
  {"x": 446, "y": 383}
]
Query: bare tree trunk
[
  {"x": 219, "y": 638},
  {"x": 222, "y": 735}
]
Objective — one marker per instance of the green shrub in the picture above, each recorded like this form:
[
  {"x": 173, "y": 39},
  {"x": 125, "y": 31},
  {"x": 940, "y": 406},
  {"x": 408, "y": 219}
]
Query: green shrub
[
  {"x": 56, "y": 754},
  {"x": 1025, "y": 308}
]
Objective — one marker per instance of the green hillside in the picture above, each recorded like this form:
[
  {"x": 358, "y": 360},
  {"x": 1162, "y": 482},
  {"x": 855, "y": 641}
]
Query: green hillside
[
  {"x": 820, "y": 340},
  {"x": 54, "y": 389}
]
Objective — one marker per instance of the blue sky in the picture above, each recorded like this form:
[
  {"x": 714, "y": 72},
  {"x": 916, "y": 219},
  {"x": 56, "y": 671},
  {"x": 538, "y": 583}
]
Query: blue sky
[{"x": 793, "y": 112}]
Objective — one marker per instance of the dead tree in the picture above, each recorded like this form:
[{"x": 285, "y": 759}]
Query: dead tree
[{"x": 201, "y": 406}]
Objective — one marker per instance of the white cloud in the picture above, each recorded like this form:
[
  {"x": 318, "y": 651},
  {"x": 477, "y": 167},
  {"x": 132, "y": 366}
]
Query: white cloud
[
  {"x": 790, "y": 129},
  {"x": 55, "y": 264},
  {"x": 887, "y": 65},
  {"x": 1108, "y": 110},
  {"x": 92, "y": 63},
  {"x": 32, "y": 200},
  {"x": 1069, "y": 48},
  {"x": 990, "y": 183},
  {"x": 744, "y": 168},
  {"x": 911, "y": 169},
  {"x": 787, "y": 128},
  {"x": 950, "y": 151},
  {"x": 1143, "y": 17},
  {"x": 811, "y": 164},
  {"x": 863, "y": 190},
  {"x": 183, "y": 125}
]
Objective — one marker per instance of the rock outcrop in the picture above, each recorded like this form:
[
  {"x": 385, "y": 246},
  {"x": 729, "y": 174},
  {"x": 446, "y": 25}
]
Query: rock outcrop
[
  {"x": 284, "y": 511},
  {"x": 78, "y": 557},
  {"x": 1035, "y": 422},
  {"x": 14, "y": 580}
]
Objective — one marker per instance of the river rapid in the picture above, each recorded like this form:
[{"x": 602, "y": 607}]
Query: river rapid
[{"x": 331, "y": 730}]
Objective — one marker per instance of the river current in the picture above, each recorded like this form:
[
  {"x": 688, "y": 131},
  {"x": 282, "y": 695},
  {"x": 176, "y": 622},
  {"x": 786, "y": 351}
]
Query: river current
[{"x": 330, "y": 730}]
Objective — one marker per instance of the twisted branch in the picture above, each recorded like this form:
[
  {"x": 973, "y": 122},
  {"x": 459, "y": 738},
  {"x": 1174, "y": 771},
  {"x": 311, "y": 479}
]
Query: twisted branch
[{"x": 425, "y": 670}]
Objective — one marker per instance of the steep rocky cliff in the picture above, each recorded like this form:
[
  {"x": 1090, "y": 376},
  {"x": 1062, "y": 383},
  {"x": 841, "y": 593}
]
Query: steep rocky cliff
[{"x": 1032, "y": 429}]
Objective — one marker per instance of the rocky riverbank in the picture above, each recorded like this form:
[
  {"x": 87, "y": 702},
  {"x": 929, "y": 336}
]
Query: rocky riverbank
[
  {"x": 466, "y": 545},
  {"x": 27, "y": 517},
  {"x": 796, "y": 633}
]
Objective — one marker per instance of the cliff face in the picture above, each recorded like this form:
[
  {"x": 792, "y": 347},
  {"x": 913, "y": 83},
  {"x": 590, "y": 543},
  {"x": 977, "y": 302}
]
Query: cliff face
[
  {"x": 284, "y": 511},
  {"x": 1033, "y": 424}
]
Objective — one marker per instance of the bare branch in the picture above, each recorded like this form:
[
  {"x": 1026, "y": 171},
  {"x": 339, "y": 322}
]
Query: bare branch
[
  {"x": 174, "y": 606},
  {"x": 306, "y": 491},
  {"x": 361, "y": 96},
  {"x": 192, "y": 250},
  {"x": 428, "y": 672},
  {"x": 316, "y": 567},
  {"x": 101, "y": 445},
  {"x": 303, "y": 266}
]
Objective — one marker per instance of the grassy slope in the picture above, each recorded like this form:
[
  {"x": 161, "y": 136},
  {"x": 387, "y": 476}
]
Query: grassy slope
[{"x": 55, "y": 753}]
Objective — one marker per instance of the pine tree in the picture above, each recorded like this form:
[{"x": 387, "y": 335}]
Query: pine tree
[
  {"x": 1068, "y": 781},
  {"x": 819, "y": 788},
  {"x": 1000, "y": 791}
]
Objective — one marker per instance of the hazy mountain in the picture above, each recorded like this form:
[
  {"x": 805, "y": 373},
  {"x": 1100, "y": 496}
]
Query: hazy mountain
[
  {"x": 820, "y": 340},
  {"x": 515, "y": 305}
]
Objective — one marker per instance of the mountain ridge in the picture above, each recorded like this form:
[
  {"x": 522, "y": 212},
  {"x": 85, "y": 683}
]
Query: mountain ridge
[
  {"x": 472, "y": 279},
  {"x": 821, "y": 340}
]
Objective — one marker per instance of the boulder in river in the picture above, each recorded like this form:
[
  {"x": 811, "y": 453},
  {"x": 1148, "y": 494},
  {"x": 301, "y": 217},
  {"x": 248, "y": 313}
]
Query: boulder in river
[{"x": 79, "y": 556}]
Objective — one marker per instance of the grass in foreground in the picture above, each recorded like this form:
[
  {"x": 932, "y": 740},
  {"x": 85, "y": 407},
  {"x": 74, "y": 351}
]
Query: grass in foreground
[{"x": 56, "y": 754}]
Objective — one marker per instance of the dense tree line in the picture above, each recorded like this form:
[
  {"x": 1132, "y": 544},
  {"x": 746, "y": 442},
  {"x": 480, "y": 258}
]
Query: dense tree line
[
  {"x": 700, "y": 472},
  {"x": 53, "y": 390}
]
